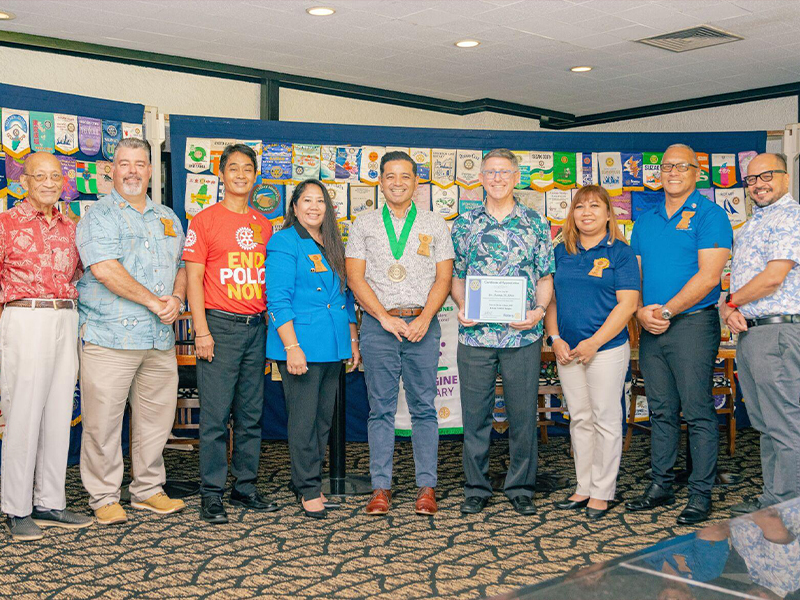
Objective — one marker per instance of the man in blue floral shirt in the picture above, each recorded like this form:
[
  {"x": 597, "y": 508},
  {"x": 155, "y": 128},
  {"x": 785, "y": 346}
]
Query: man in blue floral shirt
[
  {"x": 501, "y": 238},
  {"x": 764, "y": 309}
]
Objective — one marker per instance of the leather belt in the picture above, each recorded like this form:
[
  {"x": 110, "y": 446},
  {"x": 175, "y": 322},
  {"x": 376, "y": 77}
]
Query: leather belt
[
  {"x": 405, "y": 312},
  {"x": 44, "y": 303},
  {"x": 694, "y": 312},
  {"x": 246, "y": 319},
  {"x": 773, "y": 320}
]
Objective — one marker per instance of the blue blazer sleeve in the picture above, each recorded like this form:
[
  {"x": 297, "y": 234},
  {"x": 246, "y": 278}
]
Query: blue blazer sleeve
[{"x": 281, "y": 271}]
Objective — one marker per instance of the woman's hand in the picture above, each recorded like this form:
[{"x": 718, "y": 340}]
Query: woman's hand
[
  {"x": 585, "y": 351},
  {"x": 561, "y": 349},
  {"x": 204, "y": 347},
  {"x": 296, "y": 361},
  {"x": 353, "y": 363}
]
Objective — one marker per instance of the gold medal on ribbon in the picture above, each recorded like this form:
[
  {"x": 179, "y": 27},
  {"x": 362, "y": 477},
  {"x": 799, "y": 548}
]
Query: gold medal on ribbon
[
  {"x": 397, "y": 272},
  {"x": 686, "y": 219},
  {"x": 599, "y": 265}
]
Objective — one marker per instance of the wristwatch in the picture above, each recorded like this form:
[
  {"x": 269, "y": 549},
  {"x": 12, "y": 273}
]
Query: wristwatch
[
  {"x": 183, "y": 304},
  {"x": 666, "y": 313},
  {"x": 544, "y": 310},
  {"x": 551, "y": 339},
  {"x": 729, "y": 302}
]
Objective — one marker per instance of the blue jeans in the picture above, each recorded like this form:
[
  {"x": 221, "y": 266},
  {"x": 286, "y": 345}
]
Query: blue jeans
[{"x": 385, "y": 360}]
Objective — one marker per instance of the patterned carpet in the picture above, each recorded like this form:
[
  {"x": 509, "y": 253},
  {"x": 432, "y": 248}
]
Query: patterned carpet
[{"x": 350, "y": 555}]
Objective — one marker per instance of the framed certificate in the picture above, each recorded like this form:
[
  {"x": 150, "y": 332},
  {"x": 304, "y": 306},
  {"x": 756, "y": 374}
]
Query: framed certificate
[{"x": 492, "y": 299}]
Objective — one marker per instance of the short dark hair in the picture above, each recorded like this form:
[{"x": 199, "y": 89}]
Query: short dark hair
[
  {"x": 397, "y": 155},
  {"x": 135, "y": 144},
  {"x": 233, "y": 149},
  {"x": 781, "y": 159}
]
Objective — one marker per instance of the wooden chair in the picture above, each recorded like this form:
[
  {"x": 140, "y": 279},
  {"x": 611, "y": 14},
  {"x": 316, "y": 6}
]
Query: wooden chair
[{"x": 551, "y": 388}]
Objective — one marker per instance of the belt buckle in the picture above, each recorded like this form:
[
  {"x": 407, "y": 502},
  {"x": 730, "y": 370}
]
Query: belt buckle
[{"x": 55, "y": 304}]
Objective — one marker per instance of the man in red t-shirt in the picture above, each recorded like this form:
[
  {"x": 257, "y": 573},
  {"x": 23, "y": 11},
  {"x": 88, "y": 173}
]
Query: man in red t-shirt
[{"x": 224, "y": 253}]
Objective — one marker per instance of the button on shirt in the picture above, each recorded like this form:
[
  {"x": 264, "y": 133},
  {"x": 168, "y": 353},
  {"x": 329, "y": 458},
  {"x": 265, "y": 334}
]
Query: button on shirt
[
  {"x": 37, "y": 259},
  {"x": 586, "y": 287},
  {"x": 668, "y": 247},
  {"x": 369, "y": 241},
  {"x": 113, "y": 229},
  {"x": 519, "y": 246},
  {"x": 773, "y": 233}
]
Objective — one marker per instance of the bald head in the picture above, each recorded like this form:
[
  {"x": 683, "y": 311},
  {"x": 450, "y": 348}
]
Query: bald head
[
  {"x": 771, "y": 167},
  {"x": 39, "y": 160}
]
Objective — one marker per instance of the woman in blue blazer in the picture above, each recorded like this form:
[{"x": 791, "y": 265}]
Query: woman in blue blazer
[{"x": 312, "y": 329}]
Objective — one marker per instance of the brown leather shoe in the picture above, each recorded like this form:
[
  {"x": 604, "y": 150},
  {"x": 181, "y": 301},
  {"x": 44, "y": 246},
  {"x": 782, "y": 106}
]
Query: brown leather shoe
[
  {"x": 379, "y": 503},
  {"x": 426, "y": 501}
]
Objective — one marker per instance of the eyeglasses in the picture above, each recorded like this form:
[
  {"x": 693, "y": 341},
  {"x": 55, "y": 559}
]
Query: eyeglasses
[
  {"x": 682, "y": 167},
  {"x": 40, "y": 177},
  {"x": 765, "y": 177},
  {"x": 504, "y": 173}
]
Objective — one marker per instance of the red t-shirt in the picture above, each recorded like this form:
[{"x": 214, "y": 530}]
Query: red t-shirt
[{"x": 233, "y": 248}]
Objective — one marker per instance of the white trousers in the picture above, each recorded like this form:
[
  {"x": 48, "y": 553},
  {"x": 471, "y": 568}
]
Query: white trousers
[
  {"x": 593, "y": 394},
  {"x": 37, "y": 384}
]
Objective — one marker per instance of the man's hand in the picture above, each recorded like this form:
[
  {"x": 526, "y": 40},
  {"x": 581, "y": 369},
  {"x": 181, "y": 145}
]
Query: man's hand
[
  {"x": 157, "y": 305},
  {"x": 171, "y": 311},
  {"x": 651, "y": 320},
  {"x": 462, "y": 318},
  {"x": 204, "y": 347},
  {"x": 417, "y": 329},
  {"x": 562, "y": 351},
  {"x": 532, "y": 317},
  {"x": 584, "y": 351},
  {"x": 736, "y": 322},
  {"x": 725, "y": 310},
  {"x": 395, "y": 325}
]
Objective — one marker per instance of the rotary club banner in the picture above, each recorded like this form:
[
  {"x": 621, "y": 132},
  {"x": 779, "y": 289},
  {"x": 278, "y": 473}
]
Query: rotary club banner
[
  {"x": 609, "y": 167},
  {"x": 16, "y": 132},
  {"x": 469, "y": 199},
  {"x": 198, "y": 155},
  {"x": 217, "y": 147},
  {"x": 257, "y": 147},
  {"x": 43, "y": 132},
  {"x": 651, "y": 170},
  {"x": 327, "y": 163},
  {"x": 90, "y": 135},
  {"x": 557, "y": 206},
  {"x": 732, "y": 201},
  {"x": 338, "y": 194},
  {"x": 105, "y": 178},
  {"x": 448, "y": 393},
  {"x": 723, "y": 170},
  {"x": 14, "y": 167},
  {"x": 705, "y": 179},
  {"x": 532, "y": 199},
  {"x": 632, "y": 171},
  {"x": 112, "y": 134},
  {"x": 565, "y": 174},
  {"x": 587, "y": 162},
  {"x": 305, "y": 161},
  {"x": 542, "y": 171},
  {"x": 422, "y": 197},
  {"x": 444, "y": 201},
  {"x": 744, "y": 161},
  {"x": 276, "y": 161},
  {"x": 86, "y": 177},
  {"x": 268, "y": 198},
  {"x": 66, "y": 133},
  {"x": 201, "y": 191},
  {"x": 422, "y": 158},
  {"x": 707, "y": 193},
  {"x": 468, "y": 166},
  {"x": 348, "y": 160},
  {"x": 370, "y": 171},
  {"x": 362, "y": 199},
  {"x": 622, "y": 206},
  {"x": 524, "y": 163},
  {"x": 443, "y": 167},
  {"x": 132, "y": 130},
  {"x": 69, "y": 169}
]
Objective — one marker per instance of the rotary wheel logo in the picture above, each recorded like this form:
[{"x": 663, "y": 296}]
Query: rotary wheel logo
[
  {"x": 191, "y": 238},
  {"x": 244, "y": 237},
  {"x": 444, "y": 412},
  {"x": 112, "y": 131},
  {"x": 469, "y": 163},
  {"x": 610, "y": 162},
  {"x": 197, "y": 153}
]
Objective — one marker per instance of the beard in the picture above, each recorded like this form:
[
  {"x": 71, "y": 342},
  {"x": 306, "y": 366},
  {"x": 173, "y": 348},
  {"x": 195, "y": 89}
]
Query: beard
[{"x": 132, "y": 187}]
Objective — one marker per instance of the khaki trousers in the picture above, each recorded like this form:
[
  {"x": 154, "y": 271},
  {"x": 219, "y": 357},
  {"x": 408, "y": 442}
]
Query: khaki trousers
[
  {"x": 109, "y": 378},
  {"x": 37, "y": 384}
]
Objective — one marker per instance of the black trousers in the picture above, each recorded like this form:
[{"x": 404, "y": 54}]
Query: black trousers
[
  {"x": 678, "y": 369},
  {"x": 231, "y": 384},
  {"x": 310, "y": 399}
]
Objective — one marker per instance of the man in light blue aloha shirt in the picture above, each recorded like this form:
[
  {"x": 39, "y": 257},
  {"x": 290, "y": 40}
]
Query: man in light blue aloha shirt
[{"x": 764, "y": 309}]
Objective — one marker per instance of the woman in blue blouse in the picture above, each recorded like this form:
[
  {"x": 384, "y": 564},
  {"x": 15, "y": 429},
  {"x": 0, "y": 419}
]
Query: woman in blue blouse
[
  {"x": 312, "y": 329},
  {"x": 597, "y": 285}
]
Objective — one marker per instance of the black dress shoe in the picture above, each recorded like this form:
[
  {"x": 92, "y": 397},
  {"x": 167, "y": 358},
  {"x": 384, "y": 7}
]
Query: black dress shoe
[
  {"x": 568, "y": 504},
  {"x": 327, "y": 503},
  {"x": 653, "y": 496},
  {"x": 254, "y": 501},
  {"x": 696, "y": 511},
  {"x": 472, "y": 505},
  {"x": 746, "y": 507},
  {"x": 212, "y": 511},
  {"x": 523, "y": 505}
]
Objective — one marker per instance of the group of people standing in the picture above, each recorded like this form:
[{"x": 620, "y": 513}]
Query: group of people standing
[{"x": 290, "y": 297}]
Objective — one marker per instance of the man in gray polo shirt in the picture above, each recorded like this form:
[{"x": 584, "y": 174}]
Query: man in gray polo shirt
[{"x": 399, "y": 263}]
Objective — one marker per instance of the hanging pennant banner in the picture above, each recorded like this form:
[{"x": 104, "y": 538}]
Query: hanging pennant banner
[
  {"x": 69, "y": 170},
  {"x": 557, "y": 202},
  {"x": 705, "y": 172},
  {"x": 276, "y": 161},
  {"x": 112, "y": 134},
  {"x": 588, "y": 168},
  {"x": 468, "y": 165},
  {"x": 622, "y": 206},
  {"x": 105, "y": 179},
  {"x": 744, "y": 161},
  {"x": 216, "y": 148},
  {"x": 542, "y": 171},
  {"x": 632, "y": 171},
  {"x": 723, "y": 170},
  {"x": 133, "y": 130},
  {"x": 362, "y": 199},
  {"x": 268, "y": 198},
  {"x": 422, "y": 197},
  {"x": 338, "y": 194},
  {"x": 15, "y": 190},
  {"x": 86, "y": 177},
  {"x": 564, "y": 170},
  {"x": 469, "y": 199},
  {"x": 422, "y": 157},
  {"x": 15, "y": 167},
  {"x": 732, "y": 202},
  {"x": 532, "y": 199},
  {"x": 201, "y": 191},
  {"x": 305, "y": 161},
  {"x": 610, "y": 170},
  {"x": 90, "y": 135},
  {"x": 444, "y": 201},
  {"x": 198, "y": 155},
  {"x": 642, "y": 202},
  {"x": 16, "y": 132},
  {"x": 348, "y": 160},
  {"x": 327, "y": 163},
  {"x": 371, "y": 163},
  {"x": 66, "y": 133},
  {"x": 443, "y": 167},
  {"x": 3, "y": 184},
  {"x": 257, "y": 147},
  {"x": 525, "y": 165},
  {"x": 43, "y": 132},
  {"x": 708, "y": 193},
  {"x": 651, "y": 170}
]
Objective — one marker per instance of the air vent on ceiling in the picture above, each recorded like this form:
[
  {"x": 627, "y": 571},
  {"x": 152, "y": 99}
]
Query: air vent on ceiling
[{"x": 693, "y": 38}]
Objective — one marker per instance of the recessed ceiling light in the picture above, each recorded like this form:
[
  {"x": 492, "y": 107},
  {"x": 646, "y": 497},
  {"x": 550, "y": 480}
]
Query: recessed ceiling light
[
  {"x": 468, "y": 43},
  {"x": 580, "y": 69},
  {"x": 320, "y": 11},
  {"x": 6, "y": 16}
]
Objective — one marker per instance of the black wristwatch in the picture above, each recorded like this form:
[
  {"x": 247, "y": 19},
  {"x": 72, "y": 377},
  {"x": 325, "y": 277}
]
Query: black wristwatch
[{"x": 551, "y": 339}]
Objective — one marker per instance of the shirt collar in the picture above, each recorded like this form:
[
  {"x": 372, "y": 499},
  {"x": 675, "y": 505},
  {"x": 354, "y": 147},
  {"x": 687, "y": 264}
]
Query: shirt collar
[
  {"x": 695, "y": 198},
  {"x": 604, "y": 242},
  {"x": 515, "y": 212},
  {"x": 401, "y": 217},
  {"x": 149, "y": 204},
  {"x": 785, "y": 200},
  {"x": 28, "y": 213}
]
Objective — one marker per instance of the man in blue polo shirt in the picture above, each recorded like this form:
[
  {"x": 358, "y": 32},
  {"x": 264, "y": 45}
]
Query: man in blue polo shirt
[{"x": 682, "y": 246}]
